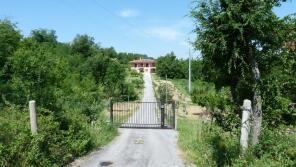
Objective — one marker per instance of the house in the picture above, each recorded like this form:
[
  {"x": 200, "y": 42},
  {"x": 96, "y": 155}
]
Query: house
[{"x": 141, "y": 65}]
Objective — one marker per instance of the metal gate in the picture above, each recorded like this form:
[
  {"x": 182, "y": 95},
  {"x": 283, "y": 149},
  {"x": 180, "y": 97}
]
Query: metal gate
[{"x": 142, "y": 114}]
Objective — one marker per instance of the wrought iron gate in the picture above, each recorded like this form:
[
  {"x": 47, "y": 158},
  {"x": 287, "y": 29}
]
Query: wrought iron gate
[{"x": 142, "y": 114}]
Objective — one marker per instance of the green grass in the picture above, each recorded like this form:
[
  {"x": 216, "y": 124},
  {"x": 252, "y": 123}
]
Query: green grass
[
  {"x": 208, "y": 145},
  {"x": 102, "y": 133},
  {"x": 182, "y": 85},
  {"x": 205, "y": 146}
]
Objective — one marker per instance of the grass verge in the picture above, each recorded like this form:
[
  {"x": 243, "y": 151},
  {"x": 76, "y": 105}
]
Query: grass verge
[
  {"x": 181, "y": 85},
  {"x": 208, "y": 145}
]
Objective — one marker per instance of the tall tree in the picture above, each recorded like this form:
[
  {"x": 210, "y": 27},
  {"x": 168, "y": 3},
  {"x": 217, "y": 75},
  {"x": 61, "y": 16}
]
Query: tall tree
[
  {"x": 115, "y": 77},
  {"x": 232, "y": 36},
  {"x": 44, "y": 35},
  {"x": 169, "y": 66},
  {"x": 9, "y": 42},
  {"x": 83, "y": 45}
]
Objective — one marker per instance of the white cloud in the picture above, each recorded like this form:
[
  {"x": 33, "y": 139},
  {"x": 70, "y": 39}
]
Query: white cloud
[
  {"x": 127, "y": 13},
  {"x": 165, "y": 33}
]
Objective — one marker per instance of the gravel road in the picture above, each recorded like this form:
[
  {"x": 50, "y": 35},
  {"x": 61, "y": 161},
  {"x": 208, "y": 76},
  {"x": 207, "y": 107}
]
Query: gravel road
[{"x": 138, "y": 147}]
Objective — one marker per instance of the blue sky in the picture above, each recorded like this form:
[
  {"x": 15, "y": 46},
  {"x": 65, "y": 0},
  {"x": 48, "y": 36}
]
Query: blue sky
[{"x": 152, "y": 27}]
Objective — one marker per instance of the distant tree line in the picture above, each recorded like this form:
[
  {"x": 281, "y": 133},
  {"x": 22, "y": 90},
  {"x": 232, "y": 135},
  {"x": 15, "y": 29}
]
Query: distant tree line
[{"x": 175, "y": 68}]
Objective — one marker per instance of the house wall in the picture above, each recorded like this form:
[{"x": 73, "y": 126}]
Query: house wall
[{"x": 143, "y": 66}]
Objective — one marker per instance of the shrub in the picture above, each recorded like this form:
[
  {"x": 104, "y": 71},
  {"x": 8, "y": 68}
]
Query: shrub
[
  {"x": 218, "y": 103},
  {"x": 138, "y": 82},
  {"x": 277, "y": 145},
  {"x": 164, "y": 93},
  {"x": 56, "y": 143},
  {"x": 206, "y": 144}
]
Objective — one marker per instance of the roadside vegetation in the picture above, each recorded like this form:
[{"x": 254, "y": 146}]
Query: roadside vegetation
[
  {"x": 206, "y": 144},
  {"x": 162, "y": 90},
  {"x": 71, "y": 83},
  {"x": 247, "y": 53}
]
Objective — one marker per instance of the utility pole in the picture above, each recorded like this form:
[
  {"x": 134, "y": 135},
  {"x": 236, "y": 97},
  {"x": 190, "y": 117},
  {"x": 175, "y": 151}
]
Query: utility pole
[{"x": 189, "y": 71}]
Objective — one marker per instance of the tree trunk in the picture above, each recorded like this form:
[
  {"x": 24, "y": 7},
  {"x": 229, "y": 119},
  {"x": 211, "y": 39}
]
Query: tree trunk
[
  {"x": 235, "y": 80},
  {"x": 234, "y": 94},
  {"x": 257, "y": 101}
]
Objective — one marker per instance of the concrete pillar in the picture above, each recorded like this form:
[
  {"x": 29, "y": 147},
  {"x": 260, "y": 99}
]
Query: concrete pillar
[
  {"x": 33, "y": 116},
  {"x": 245, "y": 129}
]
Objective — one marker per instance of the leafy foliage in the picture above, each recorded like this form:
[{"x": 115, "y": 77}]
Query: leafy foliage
[
  {"x": 218, "y": 103},
  {"x": 83, "y": 45},
  {"x": 208, "y": 145},
  {"x": 164, "y": 93},
  {"x": 174, "y": 68},
  {"x": 238, "y": 40},
  {"x": 9, "y": 41},
  {"x": 70, "y": 83},
  {"x": 246, "y": 54},
  {"x": 43, "y": 35}
]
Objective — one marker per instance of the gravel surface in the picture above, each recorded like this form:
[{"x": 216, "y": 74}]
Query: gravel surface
[{"x": 138, "y": 147}]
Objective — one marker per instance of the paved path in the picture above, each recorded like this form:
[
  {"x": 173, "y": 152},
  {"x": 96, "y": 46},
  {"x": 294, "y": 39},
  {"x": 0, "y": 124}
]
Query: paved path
[
  {"x": 138, "y": 147},
  {"x": 146, "y": 113}
]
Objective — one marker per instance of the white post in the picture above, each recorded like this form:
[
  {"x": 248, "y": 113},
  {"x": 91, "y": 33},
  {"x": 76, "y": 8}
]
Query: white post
[
  {"x": 245, "y": 129},
  {"x": 33, "y": 118}
]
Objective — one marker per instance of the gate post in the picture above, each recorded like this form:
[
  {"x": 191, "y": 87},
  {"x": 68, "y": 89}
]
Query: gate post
[
  {"x": 174, "y": 115},
  {"x": 245, "y": 129},
  {"x": 162, "y": 115},
  {"x": 111, "y": 111},
  {"x": 33, "y": 117}
]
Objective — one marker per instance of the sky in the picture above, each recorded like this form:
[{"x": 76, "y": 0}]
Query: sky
[{"x": 151, "y": 27}]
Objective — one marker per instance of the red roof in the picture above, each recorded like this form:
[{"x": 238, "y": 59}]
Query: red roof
[{"x": 143, "y": 61}]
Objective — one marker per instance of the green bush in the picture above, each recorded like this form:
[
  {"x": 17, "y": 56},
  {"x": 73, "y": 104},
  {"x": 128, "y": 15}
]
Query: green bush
[
  {"x": 129, "y": 92},
  {"x": 277, "y": 145},
  {"x": 276, "y": 103},
  {"x": 70, "y": 83},
  {"x": 138, "y": 82},
  {"x": 207, "y": 144},
  {"x": 201, "y": 92},
  {"x": 54, "y": 145},
  {"x": 218, "y": 103},
  {"x": 134, "y": 73},
  {"x": 164, "y": 93}
]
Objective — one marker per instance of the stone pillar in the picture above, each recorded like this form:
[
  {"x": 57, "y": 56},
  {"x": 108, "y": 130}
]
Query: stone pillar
[
  {"x": 245, "y": 129},
  {"x": 33, "y": 117}
]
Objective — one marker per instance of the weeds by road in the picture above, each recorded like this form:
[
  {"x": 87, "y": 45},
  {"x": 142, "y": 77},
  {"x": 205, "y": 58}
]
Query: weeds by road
[{"x": 206, "y": 144}]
